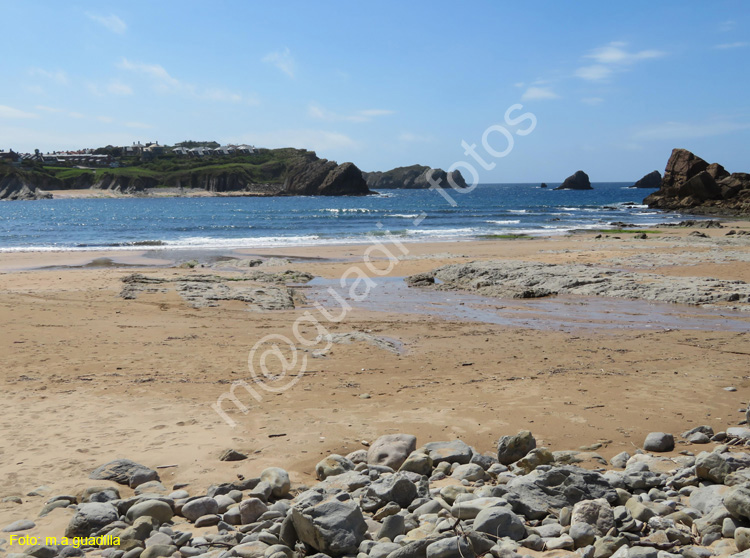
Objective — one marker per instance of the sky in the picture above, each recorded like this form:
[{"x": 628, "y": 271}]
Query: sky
[{"x": 612, "y": 87}]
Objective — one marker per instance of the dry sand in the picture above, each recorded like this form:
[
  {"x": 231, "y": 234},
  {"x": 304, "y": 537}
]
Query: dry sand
[{"x": 89, "y": 377}]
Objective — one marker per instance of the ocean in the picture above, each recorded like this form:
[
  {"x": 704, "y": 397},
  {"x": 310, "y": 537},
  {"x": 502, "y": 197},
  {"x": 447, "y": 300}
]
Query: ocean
[{"x": 248, "y": 222}]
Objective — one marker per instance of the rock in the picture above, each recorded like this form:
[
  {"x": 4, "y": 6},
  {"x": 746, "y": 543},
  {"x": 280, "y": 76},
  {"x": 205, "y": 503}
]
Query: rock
[
  {"x": 232, "y": 455},
  {"x": 151, "y": 487},
  {"x": 469, "y": 471},
  {"x": 706, "y": 498},
  {"x": 89, "y": 518},
  {"x": 620, "y": 460},
  {"x": 543, "y": 185},
  {"x": 278, "y": 479},
  {"x": 333, "y": 465},
  {"x": 200, "y": 507},
  {"x": 420, "y": 280},
  {"x": 535, "y": 458},
  {"x": 391, "y": 450},
  {"x": 470, "y": 508},
  {"x": 20, "y": 525},
  {"x": 413, "y": 177},
  {"x": 389, "y": 488},
  {"x": 500, "y": 522},
  {"x": 251, "y": 509},
  {"x": 737, "y": 501},
  {"x": 512, "y": 448},
  {"x": 711, "y": 466},
  {"x": 207, "y": 521},
  {"x": 393, "y": 526},
  {"x": 419, "y": 463},
  {"x": 451, "y": 547},
  {"x": 156, "y": 509},
  {"x": 159, "y": 550},
  {"x": 124, "y": 471},
  {"x": 98, "y": 494},
  {"x": 597, "y": 513},
  {"x": 651, "y": 180},
  {"x": 659, "y": 442},
  {"x": 455, "y": 451},
  {"x": 742, "y": 538},
  {"x": 583, "y": 534},
  {"x": 577, "y": 181},
  {"x": 330, "y": 526}
]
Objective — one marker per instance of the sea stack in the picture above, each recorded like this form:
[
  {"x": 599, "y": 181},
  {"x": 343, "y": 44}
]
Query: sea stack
[
  {"x": 577, "y": 181},
  {"x": 651, "y": 180}
]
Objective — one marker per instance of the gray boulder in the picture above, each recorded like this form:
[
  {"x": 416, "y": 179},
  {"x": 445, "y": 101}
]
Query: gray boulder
[
  {"x": 278, "y": 479},
  {"x": 391, "y": 450},
  {"x": 712, "y": 467},
  {"x": 500, "y": 522},
  {"x": 597, "y": 513},
  {"x": 90, "y": 518},
  {"x": 396, "y": 488},
  {"x": 333, "y": 465},
  {"x": 160, "y": 511},
  {"x": 200, "y": 507},
  {"x": 124, "y": 471},
  {"x": 659, "y": 442},
  {"x": 512, "y": 448},
  {"x": 737, "y": 501},
  {"x": 330, "y": 526},
  {"x": 455, "y": 451}
]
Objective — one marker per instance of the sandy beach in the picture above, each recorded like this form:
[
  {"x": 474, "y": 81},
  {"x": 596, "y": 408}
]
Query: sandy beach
[{"x": 90, "y": 376}]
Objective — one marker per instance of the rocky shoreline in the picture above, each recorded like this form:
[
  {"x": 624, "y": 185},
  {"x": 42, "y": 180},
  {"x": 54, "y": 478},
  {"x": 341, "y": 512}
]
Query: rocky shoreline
[{"x": 392, "y": 499}]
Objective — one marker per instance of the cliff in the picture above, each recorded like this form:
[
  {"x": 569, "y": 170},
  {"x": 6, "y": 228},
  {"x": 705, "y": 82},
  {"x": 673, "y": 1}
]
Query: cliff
[
  {"x": 277, "y": 172},
  {"x": 692, "y": 185},
  {"x": 413, "y": 177},
  {"x": 19, "y": 185}
]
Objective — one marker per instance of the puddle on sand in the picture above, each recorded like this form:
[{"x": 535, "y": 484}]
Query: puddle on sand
[{"x": 553, "y": 313}]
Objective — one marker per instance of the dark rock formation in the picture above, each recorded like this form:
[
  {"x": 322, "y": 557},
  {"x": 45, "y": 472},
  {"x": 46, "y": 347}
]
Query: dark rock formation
[
  {"x": 544, "y": 185},
  {"x": 691, "y": 184},
  {"x": 413, "y": 177},
  {"x": 19, "y": 185},
  {"x": 577, "y": 181},
  {"x": 124, "y": 184},
  {"x": 324, "y": 178},
  {"x": 651, "y": 180}
]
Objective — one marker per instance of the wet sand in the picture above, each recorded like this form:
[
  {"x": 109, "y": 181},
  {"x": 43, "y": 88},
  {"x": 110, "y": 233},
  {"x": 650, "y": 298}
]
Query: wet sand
[{"x": 90, "y": 377}]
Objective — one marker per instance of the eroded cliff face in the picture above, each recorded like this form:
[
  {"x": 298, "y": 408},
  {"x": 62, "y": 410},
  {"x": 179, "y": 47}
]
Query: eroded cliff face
[
  {"x": 691, "y": 184},
  {"x": 125, "y": 184},
  {"x": 19, "y": 185},
  {"x": 414, "y": 177}
]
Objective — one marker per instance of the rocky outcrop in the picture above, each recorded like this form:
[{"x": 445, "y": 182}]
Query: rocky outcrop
[
  {"x": 691, "y": 184},
  {"x": 651, "y": 180},
  {"x": 577, "y": 181},
  {"x": 19, "y": 185},
  {"x": 414, "y": 177},
  {"x": 313, "y": 176},
  {"x": 124, "y": 184}
]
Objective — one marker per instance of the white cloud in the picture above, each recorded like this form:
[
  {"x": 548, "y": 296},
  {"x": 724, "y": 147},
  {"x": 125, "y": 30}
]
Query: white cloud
[
  {"x": 57, "y": 76},
  {"x": 48, "y": 109},
  {"x": 282, "y": 59},
  {"x": 76, "y": 115},
  {"x": 535, "y": 93},
  {"x": 320, "y": 113},
  {"x": 162, "y": 80},
  {"x": 10, "y": 112},
  {"x": 613, "y": 57},
  {"x": 727, "y": 25},
  {"x": 689, "y": 130},
  {"x": 317, "y": 140},
  {"x": 105, "y": 119},
  {"x": 111, "y": 22},
  {"x": 592, "y": 100},
  {"x": 138, "y": 125},
  {"x": 726, "y": 46},
  {"x": 415, "y": 138},
  {"x": 118, "y": 88}
]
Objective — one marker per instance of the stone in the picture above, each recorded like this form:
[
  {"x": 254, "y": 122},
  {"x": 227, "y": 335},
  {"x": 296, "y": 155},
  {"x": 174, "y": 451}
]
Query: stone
[
  {"x": 207, "y": 521},
  {"x": 737, "y": 501},
  {"x": 389, "y": 488},
  {"x": 330, "y": 525},
  {"x": 124, "y": 471},
  {"x": 535, "y": 458},
  {"x": 391, "y": 450},
  {"x": 469, "y": 471},
  {"x": 454, "y": 451},
  {"x": 251, "y": 509},
  {"x": 742, "y": 538},
  {"x": 159, "y": 551},
  {"x": 160, "y": 511},
  {"x": 200, "y": 507},
  {"x": 91, "y": 517},
  {"x": 278, "y": 479},
  {"x": 706, "y": 498},
  {"x": 469, "y": 509},
  {"x": 500, "y": 522},
  {"x": 232, "y": 455},
  {"x": 577, "y": 181},
  {"x": 333, "y": 465},
  {"x": 20, "y": 525},
  {"x": 659, "y": 442},
  {"x": 98, "y": 494},
  {"x": 597, "y": 513},
  {"x": 393, "y": 526},
  {"x": 452, "y": 547},
  {"x": 583, "y": 534},
  {"x": 638, "y": 510},
  {"x": 711, "y": 466},
  {"x": 419, "y": 463},
  {"x": 512, "y": 448}
]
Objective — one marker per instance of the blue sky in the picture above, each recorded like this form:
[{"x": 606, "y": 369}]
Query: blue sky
[{"x": 614, "y": 86}]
